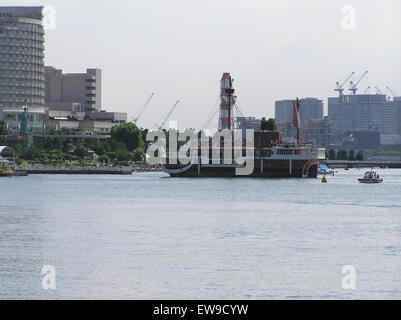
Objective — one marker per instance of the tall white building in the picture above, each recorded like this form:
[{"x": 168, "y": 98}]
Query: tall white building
[{"x": 22, "y": 74}]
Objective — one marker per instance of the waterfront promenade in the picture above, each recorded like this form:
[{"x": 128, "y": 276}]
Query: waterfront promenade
[
  {"x": 363, "y": 164},
  {"x": 112, "y": 170}
]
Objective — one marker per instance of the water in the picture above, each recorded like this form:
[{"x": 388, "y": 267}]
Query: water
[{"x": 148, "y": 236}]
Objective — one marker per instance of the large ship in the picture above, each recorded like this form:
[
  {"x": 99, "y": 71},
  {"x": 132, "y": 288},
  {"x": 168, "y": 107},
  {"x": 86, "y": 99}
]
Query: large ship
[{"x": 271, "y": 157}]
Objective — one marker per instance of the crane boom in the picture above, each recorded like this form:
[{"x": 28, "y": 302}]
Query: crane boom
[
  {"x": 391, "y": 91},
  {"x": 354, "y": 86},
  {"x": 367, "y": 90},
  {"x": 169, "y": 115},
  {"x": 340, "y": 86},
  {"x": 378, "y": 91},
  {"x": 135, "y": 120}
]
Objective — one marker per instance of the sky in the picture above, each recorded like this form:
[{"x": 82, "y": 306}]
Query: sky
[{"x": 179, "y": 49}]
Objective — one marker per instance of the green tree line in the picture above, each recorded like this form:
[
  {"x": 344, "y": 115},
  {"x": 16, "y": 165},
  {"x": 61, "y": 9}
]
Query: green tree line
[
  {"x": 344, "y": 155},
  {"x": 125, "y": 146}
]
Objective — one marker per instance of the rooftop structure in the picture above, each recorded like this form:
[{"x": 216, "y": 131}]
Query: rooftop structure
[{"x": 82, "y": 88}]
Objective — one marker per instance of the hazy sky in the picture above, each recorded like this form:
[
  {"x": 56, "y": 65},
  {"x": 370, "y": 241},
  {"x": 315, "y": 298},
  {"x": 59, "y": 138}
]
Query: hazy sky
[{"x": 179, "y": 49}]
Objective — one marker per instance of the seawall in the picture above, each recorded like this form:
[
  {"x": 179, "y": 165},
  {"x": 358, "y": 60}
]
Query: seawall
[
  {"x": 112, "y": 170},
  {"x": 363, "y": 164}
]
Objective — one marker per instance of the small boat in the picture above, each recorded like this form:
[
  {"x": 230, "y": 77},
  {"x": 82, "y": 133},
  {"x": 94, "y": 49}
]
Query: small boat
[
  {"x": 6, "y": 168},
  {"x": 371, "y": 177}
]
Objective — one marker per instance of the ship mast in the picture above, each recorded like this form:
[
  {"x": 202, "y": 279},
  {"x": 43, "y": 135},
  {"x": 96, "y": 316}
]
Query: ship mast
[{"x": 297, "y": 119}]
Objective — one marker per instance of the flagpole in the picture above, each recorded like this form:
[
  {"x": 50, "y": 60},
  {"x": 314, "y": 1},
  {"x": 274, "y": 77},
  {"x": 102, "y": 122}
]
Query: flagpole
[{"x": 299, "y": 122}]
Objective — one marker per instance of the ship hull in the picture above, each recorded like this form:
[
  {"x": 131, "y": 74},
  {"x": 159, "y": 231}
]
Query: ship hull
[{"x": 265, "y": 169}]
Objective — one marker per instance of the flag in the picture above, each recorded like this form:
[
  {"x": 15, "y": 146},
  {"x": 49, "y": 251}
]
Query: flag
[{"x": 297, "y": 119}]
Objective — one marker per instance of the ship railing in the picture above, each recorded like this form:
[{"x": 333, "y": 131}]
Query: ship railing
[{"x": 298, "y": 152}]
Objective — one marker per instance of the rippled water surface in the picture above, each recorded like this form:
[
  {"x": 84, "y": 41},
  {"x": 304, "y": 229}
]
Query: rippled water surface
[{"x": 148, "y": 236}]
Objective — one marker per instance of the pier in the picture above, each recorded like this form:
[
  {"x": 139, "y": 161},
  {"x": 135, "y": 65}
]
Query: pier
[
  {"x": 41, "y": 169},
  {"x": 363, "y": 164}
]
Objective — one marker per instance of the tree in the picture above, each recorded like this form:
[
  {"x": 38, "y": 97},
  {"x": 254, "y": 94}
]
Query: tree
[
  {"x": 3, "y": 128},
  {"x": 72, "y": 116},
  {"x": 359, "y": 156},
  {"x": 351, "y": 155},
  {"x": 31, "y": 154},
  {"x": 138, "y": 155},
  {"x": 80, "y": 151},
  {"x": 342, "y": 155},
  {"x": 123, "y": 155},
  {"x": 332, "y": 154},
  {"x": 268, "y": 125},
  {"x": 58, "y": 144},
  {"x": 99, "y": 149},
  {"x": 129, "y": 134},
  {"x": 104, "y": 159}
]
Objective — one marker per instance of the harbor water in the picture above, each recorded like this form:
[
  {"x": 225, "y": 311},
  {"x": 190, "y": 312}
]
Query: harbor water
[{"x": 149, "y": 236}]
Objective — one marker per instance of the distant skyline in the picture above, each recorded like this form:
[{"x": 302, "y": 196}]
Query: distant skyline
[{"x": 179, "y": 49}]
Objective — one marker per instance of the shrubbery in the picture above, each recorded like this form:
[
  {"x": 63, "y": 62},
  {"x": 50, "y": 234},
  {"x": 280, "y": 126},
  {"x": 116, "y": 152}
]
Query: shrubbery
[{"x": 125, "y": 145}]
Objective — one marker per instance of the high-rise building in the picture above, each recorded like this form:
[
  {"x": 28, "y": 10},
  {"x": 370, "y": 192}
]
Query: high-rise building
[
  {"x": 82, "y": 88},
  {"x": 311, "y": 109},
  {"x": 366, "y": 112},
  {"x": 321, "y": 133},
  {"x": 22, "y": 73}
]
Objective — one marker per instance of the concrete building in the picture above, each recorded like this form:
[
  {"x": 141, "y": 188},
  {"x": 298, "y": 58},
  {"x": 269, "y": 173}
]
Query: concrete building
[
  {"x": 66, "y": 106},
  {"x": 66, "y": 115},
  {"x": 321, "y": 133},
  {"x": 311, "y": 109},
  {"x": 366, "y": 112},
  {"x": 58, "y": 124},
  {"x": 111, "y": 117},
  {"x": 390, "y": 139},
  {"x": 245, "y": 123},
  {"x": 96, "y": 126},
  {"x": 22, "y": 73},
  {"x": 287, "y": 131},
  {"x": 82, "y": 88},
  {"x": 37, "y": 119},
  {"x": 74, "y": 101}
]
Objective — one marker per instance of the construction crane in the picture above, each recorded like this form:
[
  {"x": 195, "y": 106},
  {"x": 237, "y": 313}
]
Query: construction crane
[
  {"x": 354, "y": 86},
  {"x": 135, "y": 120},
  {"x": 168, "y": 116},
  {"x": 367, "y": 90},
  {"x": 378, "y": 91},
  {"x": 391, "y": 91},
  {"x": 340, "y": 86}
]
